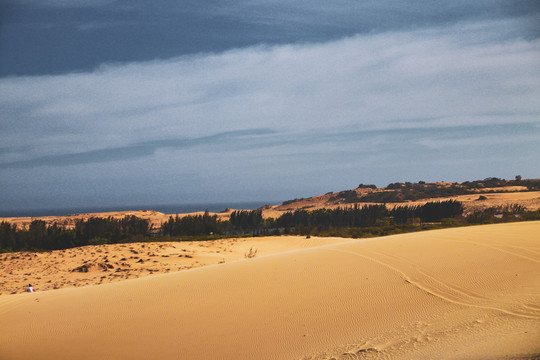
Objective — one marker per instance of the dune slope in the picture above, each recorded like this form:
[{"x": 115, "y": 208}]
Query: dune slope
[
  {"x": 461, "y": 293},
  {"x": 101, "y": 264}
]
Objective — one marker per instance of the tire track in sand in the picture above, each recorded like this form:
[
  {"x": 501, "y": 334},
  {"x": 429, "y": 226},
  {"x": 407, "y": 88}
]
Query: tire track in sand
[{"x": 412, "y": 274}]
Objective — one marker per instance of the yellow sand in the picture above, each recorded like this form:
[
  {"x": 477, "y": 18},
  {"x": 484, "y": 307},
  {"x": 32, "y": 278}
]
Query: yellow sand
[
  {"x": 102, "y": 264},
  {"x": 466, "y": 293}
]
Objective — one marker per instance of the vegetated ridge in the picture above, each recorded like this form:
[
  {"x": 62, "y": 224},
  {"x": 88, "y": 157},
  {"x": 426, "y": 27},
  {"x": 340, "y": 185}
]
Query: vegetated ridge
[
  {"x": 407, "y": 191},
  {"x": 363, "y": 212}
]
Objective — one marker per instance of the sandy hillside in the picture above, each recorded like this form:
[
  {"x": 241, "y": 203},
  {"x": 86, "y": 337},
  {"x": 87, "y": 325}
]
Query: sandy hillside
[
  {"x": 463, "y": 293},
  {"x": 529, "y": 200},
  {"x": 93, "y": 265}
]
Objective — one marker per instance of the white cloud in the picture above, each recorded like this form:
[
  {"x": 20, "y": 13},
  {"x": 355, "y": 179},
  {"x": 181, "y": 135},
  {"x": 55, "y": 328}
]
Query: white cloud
[
  {"x": 372, "y": 82},
  {"x": 459, "y": 77}
]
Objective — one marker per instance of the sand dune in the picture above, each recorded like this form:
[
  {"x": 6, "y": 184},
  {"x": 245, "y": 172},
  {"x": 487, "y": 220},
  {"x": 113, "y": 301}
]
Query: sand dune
[
  {"x": 465, "y": 293},
  {"x": 93, "y": 265}
]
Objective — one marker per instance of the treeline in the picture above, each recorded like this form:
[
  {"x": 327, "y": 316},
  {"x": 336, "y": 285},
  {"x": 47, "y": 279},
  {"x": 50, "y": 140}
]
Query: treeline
[
  {"x": 377, "y": 220},
  {"x": 247, "y": 220},
  {"x": 193, "y": 225},
  {"x": 429, "y": 212},
  {"x": 352, "y": 221},
  {"x": 368, "y": 215},
  {"x": 109, "y": 230},
  {"x": 92, "y": 231},
  {"x": 354, "y": 216}
]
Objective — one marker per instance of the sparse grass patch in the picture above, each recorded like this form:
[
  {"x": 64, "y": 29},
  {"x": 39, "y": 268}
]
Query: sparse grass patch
[{"x": 251, "y": 253}]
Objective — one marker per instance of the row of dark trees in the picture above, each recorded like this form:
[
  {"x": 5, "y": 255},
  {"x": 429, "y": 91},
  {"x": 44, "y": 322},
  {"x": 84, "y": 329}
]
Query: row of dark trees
[
  {"x": 429, "y": 212},
  {"x": 109, "y": 228},
  {"x": 246, "y": 220},
  {"x": 92, "y": 231},
  {"x": 193, "y": 225},
  {"x": 96, "y": 230},
  {"x": 369, "y": 215},
  {"x": 354, "y": 216},
  {"x": 241, "y": 221},
  {"x": 371, "y": 220}
]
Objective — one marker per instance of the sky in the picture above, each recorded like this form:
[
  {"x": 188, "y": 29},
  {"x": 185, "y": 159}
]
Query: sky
[{"x": 115, "y": 103}]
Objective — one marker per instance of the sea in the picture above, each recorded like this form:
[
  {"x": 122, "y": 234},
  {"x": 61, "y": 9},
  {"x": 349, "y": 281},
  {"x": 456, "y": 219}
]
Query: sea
[{"x": 166, "y": 209}]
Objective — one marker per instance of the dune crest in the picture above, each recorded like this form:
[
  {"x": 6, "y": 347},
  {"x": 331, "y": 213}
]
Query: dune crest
[{"x": 462, "y": 293}]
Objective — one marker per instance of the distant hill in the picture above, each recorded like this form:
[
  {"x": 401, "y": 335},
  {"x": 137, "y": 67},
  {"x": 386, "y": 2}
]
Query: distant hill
[{"x": 490, "y": 191}]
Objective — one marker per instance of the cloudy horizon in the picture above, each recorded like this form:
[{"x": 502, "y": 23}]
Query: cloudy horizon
[{"x": 277, "y": 101}]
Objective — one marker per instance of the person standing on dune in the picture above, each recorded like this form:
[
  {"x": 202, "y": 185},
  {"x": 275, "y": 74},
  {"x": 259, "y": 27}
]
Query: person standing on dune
[{"x": 30, "y": 288}]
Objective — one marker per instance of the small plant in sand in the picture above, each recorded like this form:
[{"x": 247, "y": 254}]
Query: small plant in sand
[{"x": 251, "y": 253}]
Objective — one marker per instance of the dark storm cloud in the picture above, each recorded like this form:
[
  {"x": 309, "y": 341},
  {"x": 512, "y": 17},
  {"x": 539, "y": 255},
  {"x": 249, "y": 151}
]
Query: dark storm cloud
[{"x": 58, "y": 36}]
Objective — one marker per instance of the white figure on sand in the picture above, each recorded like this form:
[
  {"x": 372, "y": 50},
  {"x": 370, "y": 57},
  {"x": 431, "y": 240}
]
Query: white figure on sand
[{"x": 30, "y": 288}]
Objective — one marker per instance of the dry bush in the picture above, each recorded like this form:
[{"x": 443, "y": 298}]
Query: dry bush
[{"x": 251, "y": 253}]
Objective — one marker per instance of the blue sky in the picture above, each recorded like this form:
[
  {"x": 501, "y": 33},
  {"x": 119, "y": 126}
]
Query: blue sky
[{"x": 108, "y": 103}]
